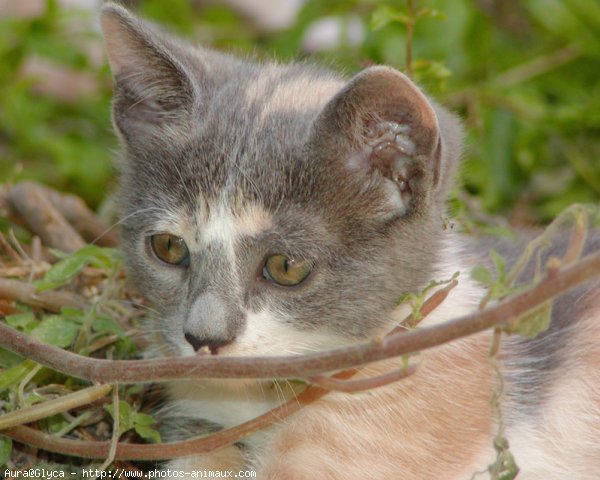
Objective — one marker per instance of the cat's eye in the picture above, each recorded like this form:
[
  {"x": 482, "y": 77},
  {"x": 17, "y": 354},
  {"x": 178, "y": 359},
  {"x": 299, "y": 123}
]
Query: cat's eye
[
  {"x": 170, "y": 249},
  {"x": 285, "y": 271}
]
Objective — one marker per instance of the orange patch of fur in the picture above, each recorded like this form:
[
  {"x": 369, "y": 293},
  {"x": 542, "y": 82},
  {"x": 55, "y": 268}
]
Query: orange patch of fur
[
  {"x": 253, "y": 220},
  {"x": 226, "y": 459},
  {"x": 434, "y": 424}
]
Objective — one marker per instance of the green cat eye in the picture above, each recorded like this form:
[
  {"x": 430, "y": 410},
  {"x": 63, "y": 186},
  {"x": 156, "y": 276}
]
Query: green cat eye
[
  {"x": 170, "y": 249},
  {"x": 284, "y": 271}
]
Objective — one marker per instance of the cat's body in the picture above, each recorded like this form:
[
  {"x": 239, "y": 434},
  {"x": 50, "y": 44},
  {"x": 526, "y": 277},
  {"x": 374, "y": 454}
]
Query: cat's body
[{"x": 272, "y": 210}]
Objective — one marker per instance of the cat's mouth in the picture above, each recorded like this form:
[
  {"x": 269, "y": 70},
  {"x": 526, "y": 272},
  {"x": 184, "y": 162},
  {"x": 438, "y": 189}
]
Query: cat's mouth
[{"x": 208, "y": 350}]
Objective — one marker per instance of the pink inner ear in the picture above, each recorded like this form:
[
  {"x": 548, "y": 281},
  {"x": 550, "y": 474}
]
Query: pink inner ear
[
  {"x": 407, "y": 119},
  {"x": 117, "y": 40},
  {"x": 383, "y": 143},
  {"x": 389, "y": 151}
]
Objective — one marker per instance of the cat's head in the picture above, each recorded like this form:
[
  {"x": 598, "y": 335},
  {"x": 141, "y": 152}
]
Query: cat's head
[{"x": 272, "y": 209}]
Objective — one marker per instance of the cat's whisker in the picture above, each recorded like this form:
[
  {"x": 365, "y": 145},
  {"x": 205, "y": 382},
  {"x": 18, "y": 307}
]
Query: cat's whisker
[{"x": 123, "y": 220}]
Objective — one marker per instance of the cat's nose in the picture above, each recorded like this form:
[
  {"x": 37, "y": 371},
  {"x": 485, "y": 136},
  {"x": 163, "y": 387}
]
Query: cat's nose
[
  {"x": 212, "y": 322},
  {"x": 198, "y": 342}
]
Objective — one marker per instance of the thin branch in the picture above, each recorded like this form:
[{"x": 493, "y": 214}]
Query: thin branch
[
  {"x": 51, "y": 300},
  {"x": 194, "y": 446},
  {"x": 33, "y": 269},
  {"x": 43, "y": 218},
  {"x": 574, "y": 249},
  {"x": 352, "y": 386},
  {"x": 578, "y": 237},
  {"x": 9, "y": 249},
  {"x": 430, "y": 304},
  {"x": 410, "y": 32},
  {"x": 77, "y": 214},
  {"x": 160, "y": 370},
  {"x": 116, "y": 433},
  {"x": 52, "y": 407},
  {"x": 538, "y": 66}
]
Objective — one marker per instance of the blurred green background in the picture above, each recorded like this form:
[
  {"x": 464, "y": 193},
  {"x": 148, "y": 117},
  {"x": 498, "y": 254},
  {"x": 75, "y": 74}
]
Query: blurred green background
[{"x": 524, "y": 75}]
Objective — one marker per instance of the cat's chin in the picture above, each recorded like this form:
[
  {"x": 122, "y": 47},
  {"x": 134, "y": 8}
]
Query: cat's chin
[
  {"x": 235, "y": 385},
  {"x": 236, "y": 388}
]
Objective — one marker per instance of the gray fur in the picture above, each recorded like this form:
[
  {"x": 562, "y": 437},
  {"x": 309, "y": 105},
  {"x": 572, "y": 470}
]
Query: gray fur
[{"x": 195, "y": 134}]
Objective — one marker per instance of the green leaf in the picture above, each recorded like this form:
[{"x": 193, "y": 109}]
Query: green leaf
[
  {"x": 142, "y": 424},
  {"x": 56, "y": 331},
  {"x": 504, "y": 466},
  {"x": 5, "y": 449},
  {"x": 500, "y": 265},
  {"x": 9, "y": 359},
  {"x": 147, "y": 433},
  {"x": 16, "y": 374},
  {"x": 62, "y": 272},
  {"x": 417, "y": 300},
  {"x": 533, "y": 323},
  {"x": 125, "y": 416},
  {"x": 66, "y": 269},
  {"x": 20, "y": 320},
  {"x": 54, "y": 423},
  {"x": 102, "y": 324},
  {"x": 143, "y": 419},
  {"x": 34, "y": 398},
  {"x": 102, "y": 257},
  {"x": 482, "y": 275},
  {"x": 426, "y": 70},
  {"x": 72, "y": 314},
  {"x": 404, "y": 298}
]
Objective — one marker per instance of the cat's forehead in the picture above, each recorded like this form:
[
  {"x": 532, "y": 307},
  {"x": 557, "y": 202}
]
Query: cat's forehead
[
  {"x": 267, "y": 104},
  {"x": 274, "y": 89},
  {"x": 247, "y": 145},
  {"x": 226, "y": 222}
]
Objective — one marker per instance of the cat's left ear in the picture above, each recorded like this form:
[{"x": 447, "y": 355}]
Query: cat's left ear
[{"x": 383, "y": 128}]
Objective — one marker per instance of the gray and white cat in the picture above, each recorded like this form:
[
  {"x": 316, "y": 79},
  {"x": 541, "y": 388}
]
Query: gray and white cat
[{"x": 283, "y": 209}]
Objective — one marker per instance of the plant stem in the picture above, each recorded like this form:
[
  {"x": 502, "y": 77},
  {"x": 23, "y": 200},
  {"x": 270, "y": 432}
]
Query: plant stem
[
  {"x": 538, "y": 66},
  {"x": 160, "y": 370},
  {"x": 51, "y": 300},
  {"x": 410, "y": 31},
  {"x": 51, "y": 407},
  {"x": 114, "y": 441}
]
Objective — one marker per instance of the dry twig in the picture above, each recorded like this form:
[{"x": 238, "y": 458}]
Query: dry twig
[
  {"x": 161, "y": 370},
  {"x": 27, "y": 294},
  {"x": 43, "y": 218}
]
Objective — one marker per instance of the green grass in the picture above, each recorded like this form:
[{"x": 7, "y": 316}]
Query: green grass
[{"x": 524, "y": 79}]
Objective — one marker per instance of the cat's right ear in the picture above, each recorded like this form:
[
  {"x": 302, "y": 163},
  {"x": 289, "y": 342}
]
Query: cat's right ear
[{"x": 154, "y": 91}]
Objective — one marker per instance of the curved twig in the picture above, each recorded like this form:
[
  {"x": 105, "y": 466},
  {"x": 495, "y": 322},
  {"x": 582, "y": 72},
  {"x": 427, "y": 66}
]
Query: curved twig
[
  {"x": 27, "y": 293},
  {"x": 43, "y": 218},
  {"x": 352, "y": 386},
  {"x": 194, "y": 446},
  {"x": 52, "y": 407},
  {"x": 160, "y": 370}
]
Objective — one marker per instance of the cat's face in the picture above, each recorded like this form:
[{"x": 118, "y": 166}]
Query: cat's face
[{"x": 272, "y": 209}]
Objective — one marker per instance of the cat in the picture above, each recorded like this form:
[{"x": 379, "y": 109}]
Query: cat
[{"x": 283, "y": 209}]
